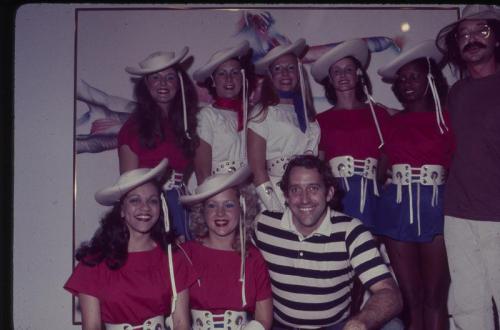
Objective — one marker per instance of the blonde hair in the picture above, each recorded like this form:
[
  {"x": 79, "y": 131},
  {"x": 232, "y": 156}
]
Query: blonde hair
[{"x": 198, "y": 225}]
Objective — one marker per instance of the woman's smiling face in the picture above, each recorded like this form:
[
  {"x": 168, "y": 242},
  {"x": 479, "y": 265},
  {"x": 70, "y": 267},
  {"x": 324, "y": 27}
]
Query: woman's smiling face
[
  {"x": 222, "y": 213},
  {"x": 141, "y": 208}
]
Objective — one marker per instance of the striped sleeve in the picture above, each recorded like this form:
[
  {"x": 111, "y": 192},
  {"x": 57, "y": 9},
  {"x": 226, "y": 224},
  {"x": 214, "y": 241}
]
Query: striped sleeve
[{"x": 364, "y": 255}]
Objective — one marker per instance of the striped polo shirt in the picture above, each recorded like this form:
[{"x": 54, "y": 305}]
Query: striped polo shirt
[{"x": 312, "y": 276}]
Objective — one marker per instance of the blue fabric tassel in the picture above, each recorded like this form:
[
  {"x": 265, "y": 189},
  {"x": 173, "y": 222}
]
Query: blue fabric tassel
[{"x": 298, "y": 107}]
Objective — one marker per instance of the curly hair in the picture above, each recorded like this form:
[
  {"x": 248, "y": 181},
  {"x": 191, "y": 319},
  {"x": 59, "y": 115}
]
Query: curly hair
[
  {"x": 269, "y": 97},
  {"x": 110, "y": 241},
  {"x": 148, "y": 115},
  {"x": 199, "y": 227},
  {"x": 246, "y": 64},
  {"x": 452, "y": 53},
  {"x": 323, "y": 168},
  {"x": 330, "y": 93},
  {"x": 439, "y": 79}
]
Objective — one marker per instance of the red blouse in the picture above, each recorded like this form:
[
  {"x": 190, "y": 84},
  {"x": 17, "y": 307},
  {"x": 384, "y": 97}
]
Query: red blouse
[
  {"x": 414, "y": 138},
  {"x": 139, "y": 290},
  {"x": 351, "y": 132},
  {"x": 168, "y": 148},
  {"x": 219, "y": 272}
]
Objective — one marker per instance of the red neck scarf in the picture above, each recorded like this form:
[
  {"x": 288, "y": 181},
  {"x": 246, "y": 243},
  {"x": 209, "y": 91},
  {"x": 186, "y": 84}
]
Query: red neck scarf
[{"x": 232, "y": 105}]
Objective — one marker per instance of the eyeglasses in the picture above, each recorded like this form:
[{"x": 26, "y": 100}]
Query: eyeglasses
[{"x": 484, "y": 32}]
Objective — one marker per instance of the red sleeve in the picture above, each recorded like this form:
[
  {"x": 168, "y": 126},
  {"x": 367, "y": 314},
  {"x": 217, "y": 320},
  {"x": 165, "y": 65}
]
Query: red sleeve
[
  {"x": 262, "y": 281},
  {"x": 85, "y": 279},
  {"x": 126, "y": 133},
  {"x": 185, "y": 274}
]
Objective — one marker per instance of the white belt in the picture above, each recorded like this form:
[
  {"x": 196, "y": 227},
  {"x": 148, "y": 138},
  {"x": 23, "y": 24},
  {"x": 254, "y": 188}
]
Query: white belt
[
  {"x": 227, "y": 166},
  {"x": 347, "y": 166},
  {"x": 175, "y": 181},
  {"x": 154, "y": 323},
  {"x": 277, "y": 166},
  {"x": 427, "y": 175},
  {"x": 204, "y": 320}
]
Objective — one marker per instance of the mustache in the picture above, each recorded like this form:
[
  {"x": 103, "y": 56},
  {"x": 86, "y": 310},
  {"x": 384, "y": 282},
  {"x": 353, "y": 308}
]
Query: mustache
[{"x": 472, "y": 45}]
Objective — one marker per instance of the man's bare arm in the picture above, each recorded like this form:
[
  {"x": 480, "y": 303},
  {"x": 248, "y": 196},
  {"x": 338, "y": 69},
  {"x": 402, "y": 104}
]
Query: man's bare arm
[{"x": 383, "y": 305}]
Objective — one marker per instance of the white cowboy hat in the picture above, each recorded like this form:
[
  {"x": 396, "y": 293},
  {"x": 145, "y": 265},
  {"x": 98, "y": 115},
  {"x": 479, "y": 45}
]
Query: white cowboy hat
[
  {"x": 469, "y": 12},
  {"x": 356, "y": 48},
  {"x": 425, "y": 49},
  {"x": 157, "y": 62},
  {"x": 297, "y": 48},
  {"x": 215, "y": 184},
  {"x": 218, "y": 58},
  {"x": 128, "y": 181}
]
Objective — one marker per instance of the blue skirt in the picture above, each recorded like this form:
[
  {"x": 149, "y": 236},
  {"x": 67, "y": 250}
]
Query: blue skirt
[
  {"x": 351, "y": 200},
  {"x": 392, "y": 219},
  {"x": 178, "y": 214}
]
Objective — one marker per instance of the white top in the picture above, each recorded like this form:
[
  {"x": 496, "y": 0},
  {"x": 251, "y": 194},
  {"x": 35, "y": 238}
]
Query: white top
[
  {"x": 280, "y": 128},
  {"x": 218, "y": 127}
]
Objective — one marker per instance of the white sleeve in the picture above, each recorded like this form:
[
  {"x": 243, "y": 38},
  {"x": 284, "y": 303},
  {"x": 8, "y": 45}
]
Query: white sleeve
[
  {"x": 260, "y": 124},
  {"x": 313, "y": 137},
  {"x": 205, "y": 127}
]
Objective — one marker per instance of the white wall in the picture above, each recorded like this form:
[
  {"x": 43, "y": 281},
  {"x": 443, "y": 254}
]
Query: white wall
[{"x": 43, "y": 165}]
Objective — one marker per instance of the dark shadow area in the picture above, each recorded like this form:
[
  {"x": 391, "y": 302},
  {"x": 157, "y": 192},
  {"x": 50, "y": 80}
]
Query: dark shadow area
[{"x": 7, "y": 15}]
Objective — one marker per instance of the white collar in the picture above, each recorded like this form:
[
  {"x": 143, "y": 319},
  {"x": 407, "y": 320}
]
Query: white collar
[{"x": 324, "y": 229}]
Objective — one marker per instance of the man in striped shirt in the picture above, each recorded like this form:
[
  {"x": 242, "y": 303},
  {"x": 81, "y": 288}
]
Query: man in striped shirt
[{"x": 314, "y": 253}]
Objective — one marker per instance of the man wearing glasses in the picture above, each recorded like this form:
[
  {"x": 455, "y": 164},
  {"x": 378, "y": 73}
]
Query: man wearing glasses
[{"x": 472, "y": 194}]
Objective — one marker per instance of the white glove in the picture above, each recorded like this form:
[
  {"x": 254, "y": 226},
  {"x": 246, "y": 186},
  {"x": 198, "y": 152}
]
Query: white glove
[
  {"x": 253, "y": 325},
  {"x": 268, "y": 197}
]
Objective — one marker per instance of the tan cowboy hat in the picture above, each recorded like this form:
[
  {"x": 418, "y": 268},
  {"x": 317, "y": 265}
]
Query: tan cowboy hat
[
  {"x": 157, "y": 61},
  {"x": 215, "y": 184},
  {"x": 425, "y": 49},
  {"x": 297, "y": 48},
  {"x": 469, "y": 12},
  {"x": 128, "y": 181},
  {"x": 356, "y": 48},
  {"x": 218, "y": 58}
]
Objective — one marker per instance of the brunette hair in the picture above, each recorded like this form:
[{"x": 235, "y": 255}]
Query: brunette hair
[
  {"x": 110, "y": 242},
  {"x": 323, "y": 168},
  {"x": 363, "y": 78},
  {"x": 150, "y": 123},
  {"x": 245, "y": 63}
]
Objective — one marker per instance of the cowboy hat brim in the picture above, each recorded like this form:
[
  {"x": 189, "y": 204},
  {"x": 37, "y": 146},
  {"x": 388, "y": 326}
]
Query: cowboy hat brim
[
  {"x": 296, "y": 48},
  {"x": 157, "y": 63},
  {"x": 218, "y": 58},
  {"x": 356, "y": 48},
  {"x": 423, "y": 49},
  {"x": 215, "y": 184},
  {"x": 128, "y": 181}
]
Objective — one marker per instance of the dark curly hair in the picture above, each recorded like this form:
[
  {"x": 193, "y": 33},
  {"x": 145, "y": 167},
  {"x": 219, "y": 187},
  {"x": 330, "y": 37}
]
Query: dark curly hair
[
  {"x": 323, "y": 168},
  {"x": 110, "y": 241},
  {"x": 246, "y": 64},
  {"x": 330, "y": 94},
  {"x": 269, "y": 97},
  {"x": 439, "y": 79},
  {"x": 452, "y": 53},
  {"x": 148, "y": 114}
]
